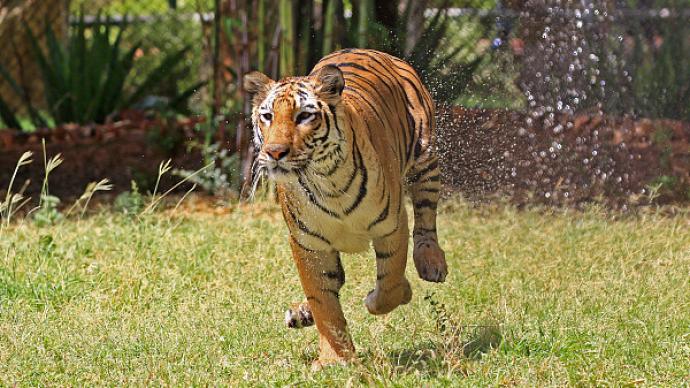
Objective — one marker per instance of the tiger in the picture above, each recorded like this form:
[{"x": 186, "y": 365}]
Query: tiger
[{"x": 343, "y": 145}]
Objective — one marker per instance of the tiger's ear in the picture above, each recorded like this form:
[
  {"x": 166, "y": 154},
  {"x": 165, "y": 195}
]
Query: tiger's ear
[
  {"x": 257, "y": 85},
  {"x": 329, "y": 83}
]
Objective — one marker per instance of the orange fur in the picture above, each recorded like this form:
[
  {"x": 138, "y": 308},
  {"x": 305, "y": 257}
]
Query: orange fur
[{"x": 343, "y": 144}]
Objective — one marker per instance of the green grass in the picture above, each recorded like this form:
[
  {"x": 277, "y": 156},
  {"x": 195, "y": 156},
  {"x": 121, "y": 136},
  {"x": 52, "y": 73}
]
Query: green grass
[{"x": 533, "y": 298}]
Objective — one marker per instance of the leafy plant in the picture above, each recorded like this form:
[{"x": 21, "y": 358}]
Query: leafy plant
[
  {"x": 130, "y": 202},
  {"x": 48, "y": 212},
  {"x": 217, "y": 180},
  {"x": 661, "y": 80},
  {"x": 87, "y": 79},
  {"x": 439, "y": 57}
]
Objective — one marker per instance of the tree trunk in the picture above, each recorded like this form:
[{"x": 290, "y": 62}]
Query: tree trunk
[
  {"x": 415, "y": 24},
  {"x": 329, "y": 22},
  {"x": 287, "y": 44},
  {"x": 386, "y": 14},
  {"x": 305, "y": 33},
  {"x": 363, "y": 19}
]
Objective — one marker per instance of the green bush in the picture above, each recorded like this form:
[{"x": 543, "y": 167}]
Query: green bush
[
  {"x": 89, "y": 78},
  {"x": 661, "y": 75}
]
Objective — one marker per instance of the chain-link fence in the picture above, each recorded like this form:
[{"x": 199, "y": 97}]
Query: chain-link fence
[
  {"x": 159, "y": 28},
  {"x": 15, "y": 17}
]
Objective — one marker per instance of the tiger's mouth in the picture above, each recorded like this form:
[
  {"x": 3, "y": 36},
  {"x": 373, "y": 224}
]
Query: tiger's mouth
[
  {"x": 283, "y": 170},
  {"x": 279, "y": 173}
]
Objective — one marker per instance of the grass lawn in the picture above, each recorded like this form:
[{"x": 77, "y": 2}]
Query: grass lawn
[{"x": 533, "y": 298}]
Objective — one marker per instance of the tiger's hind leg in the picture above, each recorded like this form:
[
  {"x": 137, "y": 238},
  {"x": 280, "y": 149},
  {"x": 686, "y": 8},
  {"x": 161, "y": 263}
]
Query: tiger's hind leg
[{"x": 424, "y": 185}]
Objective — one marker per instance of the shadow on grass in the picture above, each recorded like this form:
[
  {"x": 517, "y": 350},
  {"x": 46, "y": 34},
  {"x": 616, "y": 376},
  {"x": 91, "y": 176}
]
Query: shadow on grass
[{"x": 454, "y": 348}]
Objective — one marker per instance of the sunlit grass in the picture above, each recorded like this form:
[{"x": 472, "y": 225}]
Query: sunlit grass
[{"x": 533, "y": 298}]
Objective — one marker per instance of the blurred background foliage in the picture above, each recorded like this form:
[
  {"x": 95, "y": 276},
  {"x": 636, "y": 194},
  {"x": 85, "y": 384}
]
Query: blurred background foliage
[{"x": 619, "y": 57}]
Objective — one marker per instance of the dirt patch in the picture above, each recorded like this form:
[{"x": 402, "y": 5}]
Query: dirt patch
[{"x": 122, "y": 151}]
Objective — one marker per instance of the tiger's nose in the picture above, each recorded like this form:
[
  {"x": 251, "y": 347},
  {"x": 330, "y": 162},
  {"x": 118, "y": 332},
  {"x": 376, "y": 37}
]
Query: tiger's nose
[{"x": 277, "y": 151}]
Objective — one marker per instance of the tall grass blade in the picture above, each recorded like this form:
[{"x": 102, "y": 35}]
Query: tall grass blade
[
  {"x": 9, "y": 198},
  {"x": 155, "y": 201},
  {"x": 49, "y": 165},
  {"x": 91, "y": 189},
  {"x": 163, "y": 168}
]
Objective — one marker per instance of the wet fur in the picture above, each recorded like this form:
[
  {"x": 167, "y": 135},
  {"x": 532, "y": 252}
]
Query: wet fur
[{"x": 369, "y": 137}]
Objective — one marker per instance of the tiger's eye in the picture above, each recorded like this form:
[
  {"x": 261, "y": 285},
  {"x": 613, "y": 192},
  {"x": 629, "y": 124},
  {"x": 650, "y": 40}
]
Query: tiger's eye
[
  {"x": 304, "y": 116},
  {"x": 267, "y": 116}
]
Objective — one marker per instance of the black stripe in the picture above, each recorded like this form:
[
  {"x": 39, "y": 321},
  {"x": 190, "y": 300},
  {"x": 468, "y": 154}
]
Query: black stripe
[
  {"x": 350, "y": 180},
  {"x": 382, "y": 216},
  {"x": 391, "y": 232},
  {"x": 418, "y": 145},
  {"x": 336, "y": 165},
  {"x": 328, "y": 130},
  {"x": 407, "y": 103},
  {"x": 331, "y": 108},
  {"x": 374, "y": 111},
  {"x": 338, "y": 274},
  {"x": 333, "y": 54},
  {"x": 352, "y": 64},
  {"x": 410, "y": 124},
  {"x": 385, "y": 103},
  {"x": 364, "y": 99},
  {"x": 314, "y": 201},
  {"x": 328, "y": 154},
  {"x": 363, "y": 184},
  {"x": 425, "y": 203},
  {"x": 373, "y": 87},
  {"x": 433, "y": 178},
  {"x": 334, "y": 292},
  {"x": 415, "y": 177},
  {"x": 381, "y": 276},
  {"x": 333, "y": 275},
  {"x": 302, "y": 246},
  {"x": 384, "y": 255},
  {"x": 421, "y": 230},
  {"x": 422, "y": 101},
  {"x": 401, "y": 90},
  {"x": 304, "y": 227}
]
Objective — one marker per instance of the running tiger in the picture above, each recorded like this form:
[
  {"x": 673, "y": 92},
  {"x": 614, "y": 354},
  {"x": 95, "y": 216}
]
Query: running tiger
[{"x": 343, "y": 144}]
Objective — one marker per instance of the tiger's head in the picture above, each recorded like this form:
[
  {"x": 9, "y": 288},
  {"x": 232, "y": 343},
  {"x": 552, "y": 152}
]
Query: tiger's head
[{"x": 294, "y": 121}]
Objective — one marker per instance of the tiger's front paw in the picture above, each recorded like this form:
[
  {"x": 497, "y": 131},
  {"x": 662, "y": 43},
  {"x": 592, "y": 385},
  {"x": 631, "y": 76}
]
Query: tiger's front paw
[
  {"x": 299, "y": 315},
  {"x": 382, "y": 301}
]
